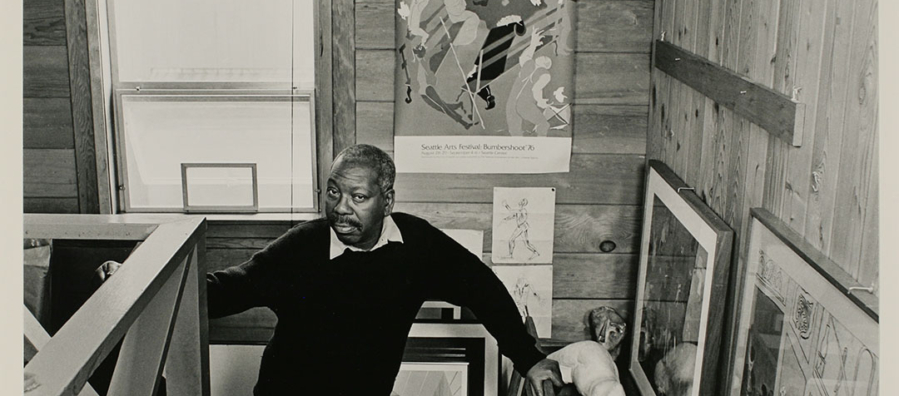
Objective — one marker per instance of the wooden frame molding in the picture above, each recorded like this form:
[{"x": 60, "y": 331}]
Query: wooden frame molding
[{"x": 778, "y": 114}]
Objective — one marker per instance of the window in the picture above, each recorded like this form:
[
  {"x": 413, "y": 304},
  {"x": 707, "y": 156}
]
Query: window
[{"x": 225, "y": 83}]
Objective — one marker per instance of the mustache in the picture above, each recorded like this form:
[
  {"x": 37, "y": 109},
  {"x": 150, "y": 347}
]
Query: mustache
[{"x": 337, "y": 219}]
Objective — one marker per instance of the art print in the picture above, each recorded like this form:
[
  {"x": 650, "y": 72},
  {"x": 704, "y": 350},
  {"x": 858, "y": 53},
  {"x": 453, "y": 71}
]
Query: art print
[
  {"x": 484, "y": 86},
  {"x": 523, "y": 221},
  {"x": 799, "y": 333}
]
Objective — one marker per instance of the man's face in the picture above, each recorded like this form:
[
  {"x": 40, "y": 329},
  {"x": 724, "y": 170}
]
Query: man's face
[{"x": 355, "y": 204}]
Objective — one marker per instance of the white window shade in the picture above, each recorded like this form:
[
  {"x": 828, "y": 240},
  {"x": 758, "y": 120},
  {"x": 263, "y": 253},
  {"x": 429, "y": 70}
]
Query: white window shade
[
  {"x": 226, "y": 41},
  {"x": 161, "y": 132}
]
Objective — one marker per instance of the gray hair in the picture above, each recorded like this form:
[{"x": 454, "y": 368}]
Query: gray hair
[{"x": 371, "y": 157}]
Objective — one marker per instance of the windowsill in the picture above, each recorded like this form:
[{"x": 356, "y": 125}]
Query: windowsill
[{"x": 226, "y": 217}]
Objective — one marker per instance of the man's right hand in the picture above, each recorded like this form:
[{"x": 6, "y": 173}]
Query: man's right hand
[{"x": 104, "y": 271}]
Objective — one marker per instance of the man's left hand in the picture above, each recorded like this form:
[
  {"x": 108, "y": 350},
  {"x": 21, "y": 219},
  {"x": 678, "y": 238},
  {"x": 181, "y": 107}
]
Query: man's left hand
[{"x": 546, "y": 369}]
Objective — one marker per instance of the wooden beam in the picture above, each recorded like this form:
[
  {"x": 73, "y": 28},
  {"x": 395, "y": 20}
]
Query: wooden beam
[
  {"x": 82, "y": 110},
  {"x": 100, "y": 97},
  {"x": 776, "y": 113},
  {"x": 145, "y": 346},
  {"x": 64, "y": 366},
  {"x": 343, "y": 31}
]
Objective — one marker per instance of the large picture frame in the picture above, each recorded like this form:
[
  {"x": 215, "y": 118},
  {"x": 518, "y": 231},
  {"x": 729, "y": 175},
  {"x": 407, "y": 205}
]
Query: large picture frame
[
  {"x": 804, "y": 326},
  {"x": 466, "y": 346},
  {"x": 681, "y": 289}
]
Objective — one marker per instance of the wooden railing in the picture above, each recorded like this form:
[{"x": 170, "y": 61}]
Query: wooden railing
[{"x": 155, "y": 304}]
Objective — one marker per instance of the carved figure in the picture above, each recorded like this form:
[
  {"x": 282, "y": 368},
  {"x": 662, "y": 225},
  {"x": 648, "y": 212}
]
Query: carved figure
[
  {"x": 608, "y": 329},
  {"x": 590, "y": 367}
]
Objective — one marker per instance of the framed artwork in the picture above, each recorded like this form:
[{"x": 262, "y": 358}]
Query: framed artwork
[
  {"x": 681, "y": 289},
  {"x": 219, "y": 187},
  {"x": 444, "y": 355},
  {"x": 431, "y": 379},
  {"x": 804, "y": 326}
]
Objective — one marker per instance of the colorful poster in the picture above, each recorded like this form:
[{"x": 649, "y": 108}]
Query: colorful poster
[
  {"x": 523, "y": 225},
  {"x": 484, "y": 86}
]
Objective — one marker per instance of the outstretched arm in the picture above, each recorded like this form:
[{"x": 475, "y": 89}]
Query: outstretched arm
[
  {"x": 528, "y": 54},
  {"x": 457, "y": 276}
]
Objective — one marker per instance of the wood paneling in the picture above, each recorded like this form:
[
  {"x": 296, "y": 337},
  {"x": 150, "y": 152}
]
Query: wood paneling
[
  {"x": 600, "y": 129},
  {"x": 44, "y": 23},
  {"x": 374, "y": 124},
  {"x": 375, "y": 24},
  {"x": 823, "y": 54},
  {"x": 82, "y": 107},
  {"x": 602, "y": 25},
  {"x": 614, "y": 26},
  {"x": 49, "y": 173},
  {"x": 50, "y": 205},
  {"x": 375, "y": 79},
  {"x": 45, "y": 72},
  {"x": 619, "y": 79},
  {"x": 578, "y": 228},
  {"x": 859, "y": 145},
  {"x": 753, "y": 101},
  {"x": 344, "y": 73},
  {"x": 593, "y": 179},
  {"x": 47, "y": 124}
]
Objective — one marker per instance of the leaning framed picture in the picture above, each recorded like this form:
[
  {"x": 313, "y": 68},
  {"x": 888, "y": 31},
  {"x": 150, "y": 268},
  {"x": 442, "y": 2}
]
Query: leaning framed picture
[
  {"x": 804, "y": 326},
  {"x": 456, "y": 358},
  {"x": 681, "y": 288}
]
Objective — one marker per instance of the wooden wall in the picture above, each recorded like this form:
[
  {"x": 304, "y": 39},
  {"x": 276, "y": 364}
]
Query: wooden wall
[
  {"x": 824, "y": 54},
  {"x": 598, "y": 200},
  {"x": 59, "y": 167}
]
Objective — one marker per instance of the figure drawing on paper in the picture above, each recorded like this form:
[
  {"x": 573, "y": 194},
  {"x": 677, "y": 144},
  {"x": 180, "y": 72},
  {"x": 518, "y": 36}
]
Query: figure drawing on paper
[
  {"x": 520, "y": 216},
  {"x": 461, "y": 59}
]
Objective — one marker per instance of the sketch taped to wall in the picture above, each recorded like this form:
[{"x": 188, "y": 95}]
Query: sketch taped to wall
[
  {"x": 531, "y": 286},
  {"x": 523, "y": 220}
]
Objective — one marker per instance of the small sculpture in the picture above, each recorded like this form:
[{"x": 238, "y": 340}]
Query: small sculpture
[
  {"x": 608, "y": 328},
  {"x": 590, "y": 367}
]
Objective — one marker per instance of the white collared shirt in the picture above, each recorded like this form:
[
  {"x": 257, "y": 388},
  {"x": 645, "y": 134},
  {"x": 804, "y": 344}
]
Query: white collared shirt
[{"x": 389, "y": 233}]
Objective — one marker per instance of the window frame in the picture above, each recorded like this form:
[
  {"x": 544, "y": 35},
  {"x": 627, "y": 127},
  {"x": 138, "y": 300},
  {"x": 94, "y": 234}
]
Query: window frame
[{"x": 319, "y": 98}]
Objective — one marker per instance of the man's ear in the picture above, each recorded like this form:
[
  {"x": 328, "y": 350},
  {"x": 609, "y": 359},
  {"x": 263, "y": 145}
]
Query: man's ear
[{"x": 388, "y": 205}]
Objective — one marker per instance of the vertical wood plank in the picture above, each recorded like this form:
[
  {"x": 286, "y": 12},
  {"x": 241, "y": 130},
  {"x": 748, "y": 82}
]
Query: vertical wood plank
[
  {"x": 809, "y": 65},
  {"x": 98, "y": 107},
  {"x": 653, "y": 133},
  {"x": 344, "y": 71},
  {"x": 82, "y": 112},
  {"x": 696, "y": 125},
  {"x": 788, "y": 27},
  {"x": 856, "y": 161},
  {"x": 324, "y": 109},
  {"x": 144, "y": 347},
  {"x": 715, "y": 36},
  {"x": 829, "y": 124},
  {"x": 187, "y": 364},
  {"x": 869, "y": 268}
]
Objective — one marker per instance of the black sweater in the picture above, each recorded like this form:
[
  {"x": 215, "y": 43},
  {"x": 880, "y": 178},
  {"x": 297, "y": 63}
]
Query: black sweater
[{"x": 343, "y": 323}]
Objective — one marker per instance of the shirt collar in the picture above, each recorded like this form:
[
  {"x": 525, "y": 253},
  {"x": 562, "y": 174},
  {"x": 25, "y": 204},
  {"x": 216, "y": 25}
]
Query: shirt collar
[{"x": 389, "y": 233}]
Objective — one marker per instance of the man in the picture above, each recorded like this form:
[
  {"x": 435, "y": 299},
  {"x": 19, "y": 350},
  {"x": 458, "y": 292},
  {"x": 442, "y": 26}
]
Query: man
[{"x": 347, "y": 288}]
